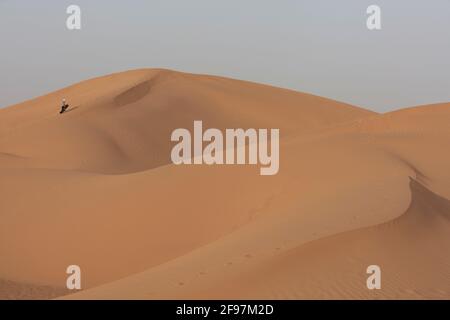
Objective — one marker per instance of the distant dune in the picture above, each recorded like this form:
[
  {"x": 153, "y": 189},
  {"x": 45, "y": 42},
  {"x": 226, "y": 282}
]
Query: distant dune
[{"x": 95, "y": 187}]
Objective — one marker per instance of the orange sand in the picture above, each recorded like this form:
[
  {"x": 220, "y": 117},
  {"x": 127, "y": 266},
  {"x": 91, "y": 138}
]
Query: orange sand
[{"x": 95, "y": 187}]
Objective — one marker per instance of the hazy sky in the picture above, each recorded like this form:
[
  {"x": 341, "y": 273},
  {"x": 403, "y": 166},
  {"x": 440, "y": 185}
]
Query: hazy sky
[{"x": 316, "y": 46}]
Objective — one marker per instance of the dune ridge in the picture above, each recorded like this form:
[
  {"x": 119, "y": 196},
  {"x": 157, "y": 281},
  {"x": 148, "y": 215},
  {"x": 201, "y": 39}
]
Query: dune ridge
[{"x": 96, "y": 187}]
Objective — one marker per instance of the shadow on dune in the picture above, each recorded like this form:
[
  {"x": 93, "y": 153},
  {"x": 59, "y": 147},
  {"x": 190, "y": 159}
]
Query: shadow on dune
[
  {"x": 71, "y": 109},
  {"x": 140, "y": 90},
  {"x": 425, "y": 207}
]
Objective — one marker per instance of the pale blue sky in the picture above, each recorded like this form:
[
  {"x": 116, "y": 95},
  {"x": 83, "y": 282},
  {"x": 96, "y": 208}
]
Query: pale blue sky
[{"x": 316, "y": 46}]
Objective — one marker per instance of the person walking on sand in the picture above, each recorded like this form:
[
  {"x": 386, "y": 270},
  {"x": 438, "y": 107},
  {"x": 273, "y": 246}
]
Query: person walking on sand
[{"x": 64, "y": 106}]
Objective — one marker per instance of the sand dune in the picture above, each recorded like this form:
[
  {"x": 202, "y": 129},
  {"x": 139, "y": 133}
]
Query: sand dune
[
  {"x": 95, "y": 187},
  {"x": 114, "y": 124}
]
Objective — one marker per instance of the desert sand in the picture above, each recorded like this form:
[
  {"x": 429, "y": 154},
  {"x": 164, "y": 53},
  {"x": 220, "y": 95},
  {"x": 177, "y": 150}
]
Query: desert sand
[{"x": 95, "y": 187}]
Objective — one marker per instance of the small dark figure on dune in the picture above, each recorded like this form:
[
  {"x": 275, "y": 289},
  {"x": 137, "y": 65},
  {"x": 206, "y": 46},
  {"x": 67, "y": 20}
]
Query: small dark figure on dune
[{"x": 64, "y": 106}]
